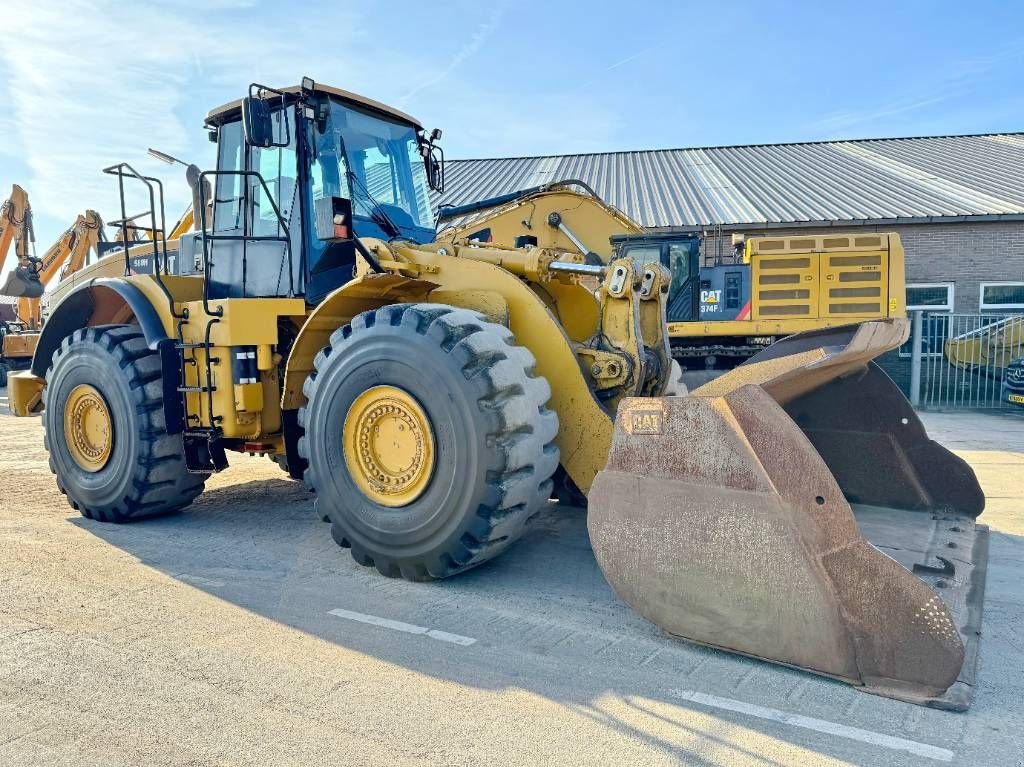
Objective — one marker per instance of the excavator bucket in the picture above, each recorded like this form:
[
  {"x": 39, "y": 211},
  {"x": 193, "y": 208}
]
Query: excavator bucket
[
  {"x": 22, "y": 283},
  {"x": 795, "y": 510}
]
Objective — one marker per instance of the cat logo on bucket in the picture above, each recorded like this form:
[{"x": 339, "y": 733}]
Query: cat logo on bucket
[{"x": 644, "y": 419}]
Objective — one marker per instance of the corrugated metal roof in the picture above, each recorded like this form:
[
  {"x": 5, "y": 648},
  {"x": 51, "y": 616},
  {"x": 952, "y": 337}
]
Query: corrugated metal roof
[{"x": 818, "y": 182}]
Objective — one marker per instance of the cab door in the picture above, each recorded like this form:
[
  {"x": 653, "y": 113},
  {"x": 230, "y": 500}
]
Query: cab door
[{"x": 683, "y": 261}]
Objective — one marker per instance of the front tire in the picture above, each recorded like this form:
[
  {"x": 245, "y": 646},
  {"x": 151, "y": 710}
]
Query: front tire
[
  {"x": 105, "y": 431},
  {"x": 428, "y": 438}
]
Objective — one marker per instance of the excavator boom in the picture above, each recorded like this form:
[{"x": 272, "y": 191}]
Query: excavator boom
[
  {"x": 66, "y": 256},
  {"x": 16, "y": 229}
]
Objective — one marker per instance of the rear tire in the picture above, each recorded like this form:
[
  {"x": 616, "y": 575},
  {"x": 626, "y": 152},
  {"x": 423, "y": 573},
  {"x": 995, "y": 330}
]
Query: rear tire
[
  {"x": 144, "y": 474},
  {"x": 491, "y": 438}
]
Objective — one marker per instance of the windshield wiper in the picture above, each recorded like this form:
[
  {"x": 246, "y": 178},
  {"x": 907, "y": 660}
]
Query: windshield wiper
[{"x": 376, "y": 210}]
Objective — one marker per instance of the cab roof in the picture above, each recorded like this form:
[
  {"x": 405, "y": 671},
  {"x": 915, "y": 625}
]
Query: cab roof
[{"x": 232, "y": 110}]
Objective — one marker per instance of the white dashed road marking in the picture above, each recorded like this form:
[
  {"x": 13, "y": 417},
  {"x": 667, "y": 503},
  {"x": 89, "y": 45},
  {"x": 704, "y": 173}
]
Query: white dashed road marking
[
  {"x": 408, "y": 628},
  {"x": 818, "y": 725}
]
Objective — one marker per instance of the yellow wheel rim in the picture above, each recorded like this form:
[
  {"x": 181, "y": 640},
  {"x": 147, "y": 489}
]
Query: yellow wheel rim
[
  {"x": 389, "y": 446},
  {"x": 88, "y": 429}
]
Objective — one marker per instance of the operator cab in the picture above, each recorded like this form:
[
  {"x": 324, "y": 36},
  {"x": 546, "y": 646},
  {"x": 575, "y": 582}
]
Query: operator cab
[{"x": 301, "y": 173}]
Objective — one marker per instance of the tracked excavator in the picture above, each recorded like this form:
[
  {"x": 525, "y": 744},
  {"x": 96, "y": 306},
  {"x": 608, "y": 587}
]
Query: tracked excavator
[
  {"x": 28, "y": 282},
  {"x": 16, "y": 230},
  {"x": 427, "y": 392}
]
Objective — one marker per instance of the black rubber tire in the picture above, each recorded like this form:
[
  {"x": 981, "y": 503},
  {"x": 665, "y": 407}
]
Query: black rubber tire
[
  {"x": 494, "y": 449},
  {"x": 145, "y": 475},
  {"x": 282, "y": 463},
  {"x": 4, "y": 370}
]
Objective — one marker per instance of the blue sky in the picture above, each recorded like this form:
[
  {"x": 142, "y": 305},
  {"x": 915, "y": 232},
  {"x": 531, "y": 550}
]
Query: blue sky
[{"x": 86, "y": 83}]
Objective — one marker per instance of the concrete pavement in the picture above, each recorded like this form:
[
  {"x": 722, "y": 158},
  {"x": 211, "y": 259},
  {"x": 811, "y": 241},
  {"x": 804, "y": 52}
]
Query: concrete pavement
[{"x": 208, "y": 638}]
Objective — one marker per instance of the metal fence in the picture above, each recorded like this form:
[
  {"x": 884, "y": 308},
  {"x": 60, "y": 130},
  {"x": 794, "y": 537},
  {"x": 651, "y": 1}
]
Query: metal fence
[{"x": 964, "y": 361}]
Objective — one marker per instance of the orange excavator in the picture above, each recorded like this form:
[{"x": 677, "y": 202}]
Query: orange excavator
[
  {"x": 30, "y": 276},
  {"x": 16, "y": 229}
]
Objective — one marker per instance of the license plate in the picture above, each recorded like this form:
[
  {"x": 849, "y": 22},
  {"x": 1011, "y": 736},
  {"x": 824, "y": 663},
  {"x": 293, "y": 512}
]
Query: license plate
[{"x": 1017, "y": 398}]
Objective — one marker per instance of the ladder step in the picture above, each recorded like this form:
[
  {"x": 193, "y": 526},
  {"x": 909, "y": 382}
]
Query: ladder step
[
  {"x": 196, "y": 345},
  {"x": 196, "y": 389}
]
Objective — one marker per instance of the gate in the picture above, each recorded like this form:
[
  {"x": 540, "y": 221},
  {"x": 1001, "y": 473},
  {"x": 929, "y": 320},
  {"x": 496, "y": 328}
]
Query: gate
[{"x": 964, "y": 361}]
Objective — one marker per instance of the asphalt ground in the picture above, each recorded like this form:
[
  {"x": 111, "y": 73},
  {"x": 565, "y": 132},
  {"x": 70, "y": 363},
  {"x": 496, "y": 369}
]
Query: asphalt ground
[{"x": 238, "y": 633}]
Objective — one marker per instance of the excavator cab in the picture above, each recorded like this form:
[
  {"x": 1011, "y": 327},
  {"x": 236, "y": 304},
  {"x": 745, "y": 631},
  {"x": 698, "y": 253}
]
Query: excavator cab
[{"x": 680, "y": 254}]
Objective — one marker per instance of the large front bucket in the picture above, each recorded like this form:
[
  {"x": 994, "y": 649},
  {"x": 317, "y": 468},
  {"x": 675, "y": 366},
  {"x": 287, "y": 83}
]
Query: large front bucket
[
  {"x": 725, "y": 518},
  {"x": 22, "y": 283}
]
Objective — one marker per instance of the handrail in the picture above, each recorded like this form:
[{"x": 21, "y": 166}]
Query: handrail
[{"x": 158, "y": 242}]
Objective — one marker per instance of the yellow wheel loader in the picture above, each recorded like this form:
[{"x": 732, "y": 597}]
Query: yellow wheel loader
[{"x": 428, "y": 393}]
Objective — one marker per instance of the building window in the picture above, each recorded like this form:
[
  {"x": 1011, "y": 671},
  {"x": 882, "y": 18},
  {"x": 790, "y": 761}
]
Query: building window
[
  {"x": 936, "y": 300},
  {"x": 1001, "y": 296}
]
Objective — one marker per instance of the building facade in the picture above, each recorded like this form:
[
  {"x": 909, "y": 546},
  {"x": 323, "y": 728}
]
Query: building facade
[{"x": 956, "y": 201}]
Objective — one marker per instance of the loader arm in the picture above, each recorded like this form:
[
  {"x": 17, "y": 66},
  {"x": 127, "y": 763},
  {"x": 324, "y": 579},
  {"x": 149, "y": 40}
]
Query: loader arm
[{"x": 553, "y": 216}]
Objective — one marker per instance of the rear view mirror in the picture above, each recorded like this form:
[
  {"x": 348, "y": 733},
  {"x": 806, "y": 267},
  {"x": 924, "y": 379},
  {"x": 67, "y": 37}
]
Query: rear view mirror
[
  {"x": 264, "y": 122},
  {"x": 257, "y": 122},
  {"x": 435, "y": 168}
]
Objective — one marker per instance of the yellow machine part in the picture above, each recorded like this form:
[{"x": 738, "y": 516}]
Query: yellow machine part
[
  {"x": 21, "y": 345},
  {"x": 88, "y": 428},
  {"x": 389, "y": 446},
  {"x": 993, "y": 346},
  {"x": 24, "y": 393},
  {"x": 585, "y": 430},
  {"x": 801, "y": 283},
  {"x": 592, "y": 221}
]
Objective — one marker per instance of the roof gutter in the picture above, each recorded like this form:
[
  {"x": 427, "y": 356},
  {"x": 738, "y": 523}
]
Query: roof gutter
[{"x": 845, "y": 223}]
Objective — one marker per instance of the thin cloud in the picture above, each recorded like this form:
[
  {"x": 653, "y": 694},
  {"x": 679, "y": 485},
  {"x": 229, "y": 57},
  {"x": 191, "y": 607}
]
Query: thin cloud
[
  {"x": 838, "y": 122},
  {"x": 959, "y": 77},
  {"x": 476, "y": 42},
  {"x": 75, "y": 106},
  {"x": 620, "y": 63}
]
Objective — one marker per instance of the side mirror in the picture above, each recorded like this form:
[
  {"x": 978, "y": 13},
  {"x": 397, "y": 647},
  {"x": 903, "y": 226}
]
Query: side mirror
[
  {"x": 263, "y": 126},
  {"x": 257, "y": 122},
  {"x": 435, "y": 168}
]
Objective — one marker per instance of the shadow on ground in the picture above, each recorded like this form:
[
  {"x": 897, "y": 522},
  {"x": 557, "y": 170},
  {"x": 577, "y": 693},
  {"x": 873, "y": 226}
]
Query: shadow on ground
[{"x": 546, "y": 622}]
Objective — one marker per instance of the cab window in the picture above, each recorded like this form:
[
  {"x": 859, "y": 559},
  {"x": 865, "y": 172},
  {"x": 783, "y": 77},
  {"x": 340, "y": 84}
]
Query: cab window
[
  {"x": 279, "y": 168},
  {"x": 644, "y": 254},
  {"x": 679, "y": 266}
]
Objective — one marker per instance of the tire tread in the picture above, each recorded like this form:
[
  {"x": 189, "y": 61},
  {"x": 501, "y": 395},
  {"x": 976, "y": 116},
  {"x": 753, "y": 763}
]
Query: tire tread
[{"x": 161, "y": 483}]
